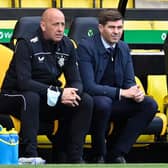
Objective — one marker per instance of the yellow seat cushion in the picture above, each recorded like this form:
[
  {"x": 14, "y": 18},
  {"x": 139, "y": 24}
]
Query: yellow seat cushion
[
  {"x": 5, "y": 59},
  {"x": 157, "y": 88}
]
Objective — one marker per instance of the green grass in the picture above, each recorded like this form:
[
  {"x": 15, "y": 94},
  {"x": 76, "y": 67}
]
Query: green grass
[{"x": 140, "y": 165}]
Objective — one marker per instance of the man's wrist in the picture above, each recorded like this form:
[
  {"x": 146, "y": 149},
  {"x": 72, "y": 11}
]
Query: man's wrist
[
  {"x": 121, "y": 92},
  {"x": 55, "y": 88}
]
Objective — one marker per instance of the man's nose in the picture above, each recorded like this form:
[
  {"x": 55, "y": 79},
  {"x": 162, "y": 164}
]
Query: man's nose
[
  {"x": 60, "y": 27},
  {"x": 116, "y": 30}
]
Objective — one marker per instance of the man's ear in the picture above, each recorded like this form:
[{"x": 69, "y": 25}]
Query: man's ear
[
  {"x": 100, "y": 27},
  {"x": 42, "y": 25}
]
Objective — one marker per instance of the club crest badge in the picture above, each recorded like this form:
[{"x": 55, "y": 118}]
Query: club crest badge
[
  {"x": 61, "y": 58},
  {"x": 61, "y": 61}
]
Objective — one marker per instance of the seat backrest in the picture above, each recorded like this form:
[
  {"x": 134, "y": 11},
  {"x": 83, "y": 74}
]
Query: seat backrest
[
  {"x": 157, "y": 88},
  {"x": 5, "y": 58},
  {"x": 35, "y": 3},
  {"x": 5, "y": 4},
  {"x": 25, "y": 27},
  {"x": 83, "y": 27},
  {"x": 77, "y": 4}
]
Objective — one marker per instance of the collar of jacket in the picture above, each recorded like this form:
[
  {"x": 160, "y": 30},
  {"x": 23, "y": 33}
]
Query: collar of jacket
[{"x": 100, "y": 46}]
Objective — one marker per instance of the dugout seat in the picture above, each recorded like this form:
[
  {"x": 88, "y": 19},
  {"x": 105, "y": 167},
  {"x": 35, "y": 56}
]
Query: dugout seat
[
  {"x": 83, "y": 27},
  {"x": 35, "y": 3},
  {"x": 157, "y": 87},
  {"x": 7, "y": 3},
  {"x": 77, "y": 3},
  {"x": 5, "y": 58},
  {"x": 24, "y": 27}
]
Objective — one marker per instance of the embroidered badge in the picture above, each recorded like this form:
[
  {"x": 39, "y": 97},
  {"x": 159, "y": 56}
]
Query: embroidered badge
[
  {"x": 61, "y": 61},
  {"x": 41, "y": 59},
  {"x": 34, "y": 40},
  {"x": 61, "y": 58}
]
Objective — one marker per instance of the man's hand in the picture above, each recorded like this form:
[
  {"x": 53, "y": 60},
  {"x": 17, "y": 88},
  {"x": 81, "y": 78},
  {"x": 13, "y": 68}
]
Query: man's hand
[
  {"x": 133, "y": 92},
  {"x": 139, "y": 97},
  {"x": 70, "y": 97}
]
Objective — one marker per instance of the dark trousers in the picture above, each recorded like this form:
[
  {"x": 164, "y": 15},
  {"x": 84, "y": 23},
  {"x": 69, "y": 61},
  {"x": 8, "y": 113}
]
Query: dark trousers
[
  {"x": 36, "y": 115},
  {"x": 129, "y": 118}
]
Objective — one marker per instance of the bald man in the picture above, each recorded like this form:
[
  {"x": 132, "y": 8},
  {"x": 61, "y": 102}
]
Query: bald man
[{"x": 34, "y": 73}]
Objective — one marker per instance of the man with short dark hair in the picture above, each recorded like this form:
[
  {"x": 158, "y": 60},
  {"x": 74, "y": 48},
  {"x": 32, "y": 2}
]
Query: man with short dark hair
[{"x": 107, "y": 73}]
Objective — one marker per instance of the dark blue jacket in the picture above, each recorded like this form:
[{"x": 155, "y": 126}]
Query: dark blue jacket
[{"x": 93, "y": 59}]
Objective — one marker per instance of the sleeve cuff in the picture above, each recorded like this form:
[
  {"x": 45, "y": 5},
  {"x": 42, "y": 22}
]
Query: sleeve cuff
[{"x": 118, "y": 96}]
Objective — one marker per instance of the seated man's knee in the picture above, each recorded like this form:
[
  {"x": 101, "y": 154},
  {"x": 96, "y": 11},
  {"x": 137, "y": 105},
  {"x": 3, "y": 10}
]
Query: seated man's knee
[
  {"x": 32, "y": 97},
  {"x": 87, "y": 100},
  {"x": 103, "y": 104},
  {"x": 150, "y": 104}
]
